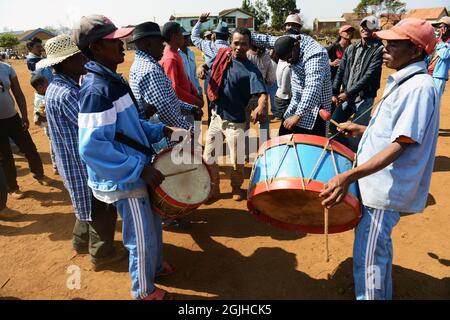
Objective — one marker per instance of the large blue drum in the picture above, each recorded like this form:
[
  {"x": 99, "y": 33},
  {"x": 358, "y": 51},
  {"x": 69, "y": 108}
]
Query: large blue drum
[{"x": 286, "y": 180}]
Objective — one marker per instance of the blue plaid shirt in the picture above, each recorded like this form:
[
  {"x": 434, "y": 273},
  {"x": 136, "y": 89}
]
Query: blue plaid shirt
[
  {"x": 208, "y": 47},
  {"x": 311, "y": 79},
  {"x": 151, "y": 85},
  {"x": 62, "y": 110}
]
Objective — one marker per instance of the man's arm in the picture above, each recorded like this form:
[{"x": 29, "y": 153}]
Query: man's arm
[
  {"x": 443, "y": 50},
  {"x": 21, "y": 102},
  {"x": 337, "y": 187},
  {"x": 260, "y": 112},
  {"x": 340, "y": 73},
  {"x": 263, "y": 40}
]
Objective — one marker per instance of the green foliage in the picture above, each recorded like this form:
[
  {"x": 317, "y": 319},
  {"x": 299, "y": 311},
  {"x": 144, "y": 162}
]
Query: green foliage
[
  {"x": 377, "y": 6},
  {"x": 280, "y": 10},
  {"x": 259, "y": 9},
  {"x": 8, "y": 40}
]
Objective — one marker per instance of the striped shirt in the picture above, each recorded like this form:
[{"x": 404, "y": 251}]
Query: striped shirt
[
  {"x": 311, "y": 79},
  {"x": 62, "y": 108}
]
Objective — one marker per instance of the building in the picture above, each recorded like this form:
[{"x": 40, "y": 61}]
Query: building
[
  {"x": 235, "y": 17},
  {"x": 35, "y": 33},
  {"x": 328, "y": 24},
  {"x": 432, "y": 15}
]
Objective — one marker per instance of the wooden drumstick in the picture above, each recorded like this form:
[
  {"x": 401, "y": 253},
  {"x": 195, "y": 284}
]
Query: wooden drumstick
[
  {"x": 325, "y": 115},
  {"x": 178, "y": 173}
]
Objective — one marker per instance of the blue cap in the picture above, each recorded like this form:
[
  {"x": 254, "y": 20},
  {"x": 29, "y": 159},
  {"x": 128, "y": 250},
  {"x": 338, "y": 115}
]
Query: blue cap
[{"x": 222, "y": 28}]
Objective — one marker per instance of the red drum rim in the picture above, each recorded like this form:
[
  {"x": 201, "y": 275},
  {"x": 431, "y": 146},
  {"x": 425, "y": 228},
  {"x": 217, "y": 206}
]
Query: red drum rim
[
  {"x": 308, "y": 139},
  {"x": 315, "y": 186},
  {"x": 174, "y": 202}
]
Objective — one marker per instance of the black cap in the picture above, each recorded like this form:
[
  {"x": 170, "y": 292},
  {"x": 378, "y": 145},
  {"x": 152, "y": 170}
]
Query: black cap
[
  {"x": 283, "y": 46},
  {"x": 146, "y": 29},
  {"x": 168, "y": 29}
]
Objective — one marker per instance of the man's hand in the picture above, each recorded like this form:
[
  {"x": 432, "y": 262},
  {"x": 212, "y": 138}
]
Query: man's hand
[
  {"x": 335, "y": 190},
  {"x": 199, "y": 103},
  {"x": 291, "y": 122},
  {"x": 178, "y": 134},
  {"x": 259, "y": 114},
  {"x": 204, "y": 17},
  {"x": 25, "y": 123},
  {"x": 343, "y": 97},
  {"x": 335, "y": 100},
  {"x": 201, "y": 72},
  {"x": 152, "y": 176},
  {"x": 335, "y": 63},
  {"x": 36, "y": 120},
  {"x": 351, "y": 129}
]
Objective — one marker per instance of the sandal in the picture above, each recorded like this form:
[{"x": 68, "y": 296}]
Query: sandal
[
  {"x": 167, "y": 269},
  {"x": 158, "y": 294}
]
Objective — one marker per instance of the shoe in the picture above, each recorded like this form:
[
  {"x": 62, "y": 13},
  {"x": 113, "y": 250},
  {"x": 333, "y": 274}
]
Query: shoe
[
  {"x": 158, "y": 294},
  {"x": 17, "y": 194},
  {"x": 167, "y": 270},
  {"x": 45, "y": 181},
  {"x": 237, "y": 195},
  {"x": 99, "y": 264}
]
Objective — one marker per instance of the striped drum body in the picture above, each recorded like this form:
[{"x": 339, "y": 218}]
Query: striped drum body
[{"x": 286, "y": 180}]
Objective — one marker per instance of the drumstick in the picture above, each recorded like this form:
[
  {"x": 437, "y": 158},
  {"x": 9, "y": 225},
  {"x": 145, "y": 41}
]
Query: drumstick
[
  {"x": 326, "y": 116},
  {"x": 178, "y": 173}
]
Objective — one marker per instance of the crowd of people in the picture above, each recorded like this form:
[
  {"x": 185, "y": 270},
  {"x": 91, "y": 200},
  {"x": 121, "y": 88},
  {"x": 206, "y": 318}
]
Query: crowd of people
[{"x": 105, "y": 130}]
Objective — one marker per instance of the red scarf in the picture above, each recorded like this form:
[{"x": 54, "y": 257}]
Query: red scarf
[{"x": 220, "y": 65}]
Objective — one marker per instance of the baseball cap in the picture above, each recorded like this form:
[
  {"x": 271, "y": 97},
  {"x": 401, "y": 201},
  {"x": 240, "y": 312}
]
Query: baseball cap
[
  {"x": 345, "y": 28},
  {"x": 419, "y": 31},
  {"x": 96, "y": 27},
  {"x": 371, "y": 23},
  {"x": 445, "y": 20}
]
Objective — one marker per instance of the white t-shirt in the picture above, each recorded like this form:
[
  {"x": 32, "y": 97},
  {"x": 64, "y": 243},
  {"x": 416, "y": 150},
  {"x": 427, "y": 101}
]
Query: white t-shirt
[
  {"x": 7, "y": 106},
  {"x": 284, "y": 80}
]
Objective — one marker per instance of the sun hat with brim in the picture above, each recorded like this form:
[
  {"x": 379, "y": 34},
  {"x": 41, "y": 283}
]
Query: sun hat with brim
[
  {"x": 184, "y": 32},
  {"x": 58, "y": 49},
  {"x": 96, "y": 27},
  {"x": 418, "y": 31},
  {"x": 444, "y": 20},
  {"x": 293, "y": 18},
  {"x": 346, "y": 28},
  {"x": 146, "y": 29}
]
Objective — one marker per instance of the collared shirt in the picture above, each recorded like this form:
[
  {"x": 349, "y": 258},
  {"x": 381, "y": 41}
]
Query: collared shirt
[
  {"x": 173, "y": 65},
  {"x": 355, "y": 71},
  {"x": 191, "y": 68},
  {"x": 410, "y": 110},
  {"x": 442, "y": 65},
  {"x": 62, "y": 108},
  {"x": 151, "y": 85},
  {"x": 311, "y": 79},
  {"x": 209, "y": 48}
]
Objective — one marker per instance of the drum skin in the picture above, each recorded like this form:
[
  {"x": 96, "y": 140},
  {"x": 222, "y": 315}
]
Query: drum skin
[
  {"x": 283, "y": 203},
  {"x": 168, "y": 207}
]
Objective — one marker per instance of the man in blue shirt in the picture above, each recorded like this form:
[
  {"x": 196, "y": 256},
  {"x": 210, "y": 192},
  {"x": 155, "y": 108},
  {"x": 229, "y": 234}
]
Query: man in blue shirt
[
  {"x": 439, "y": 60},
  {"x": 395, "y": 156},
  {"x": 95, "y": 221},
  {"x": 119, "y": 173},
  {"x": 241, "y": 80}
]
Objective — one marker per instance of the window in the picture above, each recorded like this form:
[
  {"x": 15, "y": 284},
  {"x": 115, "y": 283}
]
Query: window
[
  {"x": 193, "y": 22},
  {"x": 231, "y": 21}
]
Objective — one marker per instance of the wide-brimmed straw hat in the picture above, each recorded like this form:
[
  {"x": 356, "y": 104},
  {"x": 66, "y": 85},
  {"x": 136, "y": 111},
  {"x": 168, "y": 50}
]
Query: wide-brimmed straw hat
[{"x": 58, "y": 49}]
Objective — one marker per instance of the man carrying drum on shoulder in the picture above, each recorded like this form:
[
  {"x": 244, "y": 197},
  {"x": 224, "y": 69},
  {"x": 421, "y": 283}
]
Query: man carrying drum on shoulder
[{"x": 395, "y": 156}]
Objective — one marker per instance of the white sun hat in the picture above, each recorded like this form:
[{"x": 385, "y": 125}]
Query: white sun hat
[{"x": 58, "y": 49}]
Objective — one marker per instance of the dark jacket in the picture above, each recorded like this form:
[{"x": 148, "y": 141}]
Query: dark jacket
[
  {"x": 368, "y": 81},
  {"x": 332, "y": 54}
]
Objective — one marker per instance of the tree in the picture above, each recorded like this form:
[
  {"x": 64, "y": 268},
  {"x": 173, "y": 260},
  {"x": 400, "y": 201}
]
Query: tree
[
  {"x": 52, "y": 29},
  {"x": 280, "y": 10},
  {"x": 389, "y": 9},
  {"x": 259, "y": 9},
  {"x": 8, "y": 40}
]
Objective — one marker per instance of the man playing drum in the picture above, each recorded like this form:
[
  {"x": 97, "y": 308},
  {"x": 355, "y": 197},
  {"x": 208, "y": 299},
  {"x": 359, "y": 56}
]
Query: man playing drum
[{"x": 395, "y": 156}]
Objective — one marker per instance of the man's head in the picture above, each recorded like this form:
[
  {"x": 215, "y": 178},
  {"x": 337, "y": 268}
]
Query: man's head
[
  {"x": 64, "y": 56},
  {"x": 221, "y": 32},
  {"x": 443, "y": 27},
  {"x": 288, "y": 49},
  {"x": 187, "y": 39},
  {"x": 99, "y": 39},
  {"x": 368, "y": 26},
  {"x": 172, "y": 34},
  {"x": 346, "y": 32},
  {"x": 35, "y": 46},
  {"x": 207, "y": 35},
  {"x": 293, "y": 22},
  {"x": 240, "y": 43},
  {"x": 411, "y": 40},
  {"x": 39, "y": 83},
  {"x": 147, "y": 37}
]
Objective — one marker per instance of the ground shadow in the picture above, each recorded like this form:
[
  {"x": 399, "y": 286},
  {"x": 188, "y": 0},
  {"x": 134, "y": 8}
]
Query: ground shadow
[
  {"x": 444, "y": 132},
  {"x": 431, "y": 201},
  {"x": 444, "y": 262},
  {"x": 271, "y": 273},
  {"x": 233, "y": 223},
  {"x": 58, "y": 225},
  {"x": 441, "y": 164}
]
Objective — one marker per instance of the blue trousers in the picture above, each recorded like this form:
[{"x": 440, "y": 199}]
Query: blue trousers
[
  {"x": 142, "y": 236},
  {"x": 372, "y": 254}
]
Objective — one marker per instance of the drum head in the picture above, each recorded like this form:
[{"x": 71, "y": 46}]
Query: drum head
[
  {"x": 298, "y": 210},
  {"x": 188, "y": 188}
]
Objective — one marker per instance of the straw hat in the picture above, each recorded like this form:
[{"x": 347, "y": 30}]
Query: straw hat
[{"x": 58, "y": 49}]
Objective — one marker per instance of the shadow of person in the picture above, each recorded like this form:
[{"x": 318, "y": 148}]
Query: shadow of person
[
  {"x": 444, "y": 262},
  {"x": 441, "y": 164},
  {"x": 233, "y": 223},
  {"x": 444, "y": 132}
]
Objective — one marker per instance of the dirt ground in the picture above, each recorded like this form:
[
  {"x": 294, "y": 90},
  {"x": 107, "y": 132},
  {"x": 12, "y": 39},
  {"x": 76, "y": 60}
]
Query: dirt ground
[{"x": 222, "y": 251}]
